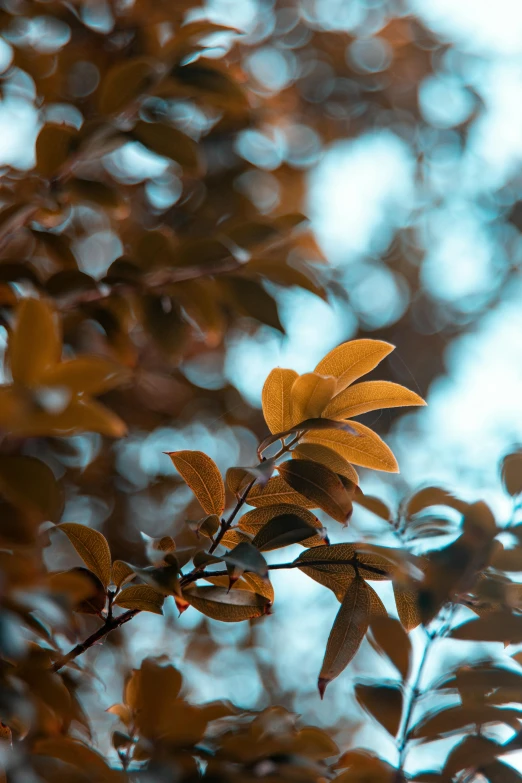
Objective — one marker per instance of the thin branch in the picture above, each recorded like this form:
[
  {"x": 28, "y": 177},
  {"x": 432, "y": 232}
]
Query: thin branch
[{"x": 227, "y": 524}]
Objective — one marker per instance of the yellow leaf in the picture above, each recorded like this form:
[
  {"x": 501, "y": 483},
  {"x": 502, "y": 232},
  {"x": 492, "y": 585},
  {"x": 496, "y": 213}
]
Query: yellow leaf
[
  {"x": 370, "y": 396},
  {"x": 366, "y": 449},
  {"x": 350, "y": 360},
  {"x": 275, "y": 399},
  {"x": 321, "y": 485},
  {"x": 123, "y": 83},
  {"x": 347, "y": 632},
  {"x": 142, "y": 597},
  {"x": 121, "y": 573},
  {"x": 92, "y": 547},
  {"x": 233, "y": 538},
  {"x": 328, "y": 457},
  {"x": 309, "y": 396},
  {"x": 81, "y": 415},
  {"x": 254, "y": 520},
  {"x": 203, "y": 477},
  {"x": 237, "y": 480},
  {"x": 229, "y": 607},
  {"x": 407, "y": 608},
  {"x": 86, "y": 375},
  {"x": 277, "y": 491},
  {"x": 35, "y": 343},
  {"x": 377, "y": 608}
]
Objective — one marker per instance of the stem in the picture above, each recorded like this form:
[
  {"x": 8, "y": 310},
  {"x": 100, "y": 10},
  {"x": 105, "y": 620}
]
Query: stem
[
  {"x": 226, "y": 525},
  {"x": 107, "y": 627}
]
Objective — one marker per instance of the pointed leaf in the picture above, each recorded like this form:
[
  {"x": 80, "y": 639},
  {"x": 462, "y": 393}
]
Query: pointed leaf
[
  {"x": 229, "y": 607},
  {"x": 247, "y": 557},
  {"x": 328, "y": 457},
  {"x": 365, "y": 449},
  {"x": 277, "y": 491},
  {"x": 347, "y": 632},
  {"x": 394, "y": 642},
  {"x": 203, "y": 477},
  {"x": 383, "y": 702},
  {"x": 321, "y": 485},
  {"x": 142, "y": 597},
  {"x": 92, "y": 547},
  {"x": 407, "y": 607},
  {"x": 275, "y": 399},
  {"x": 247, "y": 581},
  {"x": 282, "y": 531},
  {"x": 309, "y": 395},
  {"x": 35, "y": 343},
  {"x": 305, "y": 426},
  {"x": 329, "y": 566},
  {"x": 370, "y": 396},
  {"x": 350, "y": 360},
  {"x": 254, "y": 520},
  {"x": 377, "y": 608}
]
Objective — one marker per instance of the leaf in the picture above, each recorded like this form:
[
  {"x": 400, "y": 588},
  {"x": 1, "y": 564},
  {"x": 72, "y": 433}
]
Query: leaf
[
  {"x": 142, "y": 597},
  {"x": 377, "y": 608},
  {"x": 254, "y": 520},
  {"x": 79, "y": 756},
  {"x": 123, "y": 83},
  {"x": 347, "y": 632},
  {"x": 370, "y": 396},
  {"x": 249, "y": 298},
  {"x": 247, "y": 581},
  {"x": 275, "y": 399},
  {"x": 86, "y": 375},
  {"x": 320, "y": 485},
  {"x": 374, "y": 505},
  {"x": 314, "y": 743},
  {"x": 350, "y": 360},
  {"x": 309, "y": 395},
  {"x": 282, "y": 531},
  {"x": 247, "y": 557},
  {"x": 92, "y": 547},
  {"x": 237, "y": 480},
  {"x": 407, "y": 607},
  {"x": 202, "y": 475},
  {"x": 472, "y": 752},
  {"x": 499, "y": 772},
  {"x": 335, "y": 575},
  {"x": 35, "y": 343},
  {"x": 433, "y": 496},
  {"x": 54, "y": 144},
  {"x": 328, "y": 457},
  {"x": 83, "y": 589},
  {"x": 512, "y": 473},
  {"x": 31, "y": 484},
  {"x": 229, "y": 607},
  {"x": 383, "y": 702},
  {"x": 234, "y": 537},
  {"x": 365, "y": 448},
  {"x": 450, "y": 719},
  {"x": 394, "y": 642},
  {"x": 374, "y": 565},
  {"x": 496, "y": 626},
  {"x": 169, "y": 142},
  {"x": 121, "y": 573},
  {"x": 303, "y": 426},
  {"x": 364, "y": 767},
  {"x": 277, "y": 491}
]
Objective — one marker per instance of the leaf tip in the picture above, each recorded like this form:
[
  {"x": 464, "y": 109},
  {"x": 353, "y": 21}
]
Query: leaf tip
[{"x": 322, "y": 682}]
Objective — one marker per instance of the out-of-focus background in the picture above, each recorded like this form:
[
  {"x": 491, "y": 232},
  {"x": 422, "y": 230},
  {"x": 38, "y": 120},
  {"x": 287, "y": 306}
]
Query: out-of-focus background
[{"x": 396, "y": 127}]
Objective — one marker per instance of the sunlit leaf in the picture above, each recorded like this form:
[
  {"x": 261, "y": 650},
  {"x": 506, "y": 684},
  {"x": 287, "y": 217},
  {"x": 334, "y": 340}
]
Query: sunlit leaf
[
  {"x": 121, "y": 573},
  {"x": 92, "y": 547},
  {"x": 347, "y": 632},
  {"x": 383, "y": 702},
  {"x": 275, "y": 399},
  {"x": 35, "y": 342},
  {"x": 229, "y": 607},
  {"x": 328, "y": 457},
  {"x": 142, "y": 597},
  {"x": 309, "y": 395},
  {"x": 370, "y": 396},
  {"x": 277, "y": 491},
  {"x": 336, "y": 573},
  {"x": 203, "y": 477},
  {"x": 365, "y": 449},
  {"x": 320, "y": 485},
  {"x": 305, "y": 426},
  {"x": 350, "y": 360},
  {"x": 281, "y": 531}
]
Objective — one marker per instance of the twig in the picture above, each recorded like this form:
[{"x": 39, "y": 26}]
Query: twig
[{"x": 227, "y": 524}]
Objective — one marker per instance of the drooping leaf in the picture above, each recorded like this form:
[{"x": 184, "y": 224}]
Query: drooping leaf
[
  {"x": 247, "y": 557},
  {"x": 365, "y": 448},
  {"x": 309, "y": 395},
  {"x": 320, "y": 485},
  {"x": 328, "y": 457},
  {"x": 370, "y": 396},
  {"x": 142, "y": 597},
  {"x": 394, "y": 642},
  {"x": 328, "y": 565},
  {"x": 347, "y": 632},
  {"x": 350, "y": 360},
  {"x": 407, "y": 607},
  {"x": 202, "y": 475},
  {"x": 275, "y": 399},
  {"x": 383, "y": 702},
  {"x": 121, "y": 573},
  {"x": 377, "y": 608},
  {"x": 229, "y": 607},
  {"x": 169, "y": 142},
  {"x": 281, "y": 531},
  {"x": 92, "y": 547},
  {"x": 254, "y": 520},
  {"x": 123, "y": 83},
  {"x": 35, "y": 343},
  {"x": 277, "y": 491},
  {"x": 374, "y": 505}
]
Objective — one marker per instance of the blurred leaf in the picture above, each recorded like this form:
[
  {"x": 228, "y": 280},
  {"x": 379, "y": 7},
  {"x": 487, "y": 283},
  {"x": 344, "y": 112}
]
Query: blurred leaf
[
  {"x": 69, "y": 282},
  {"x": 205, "y": 79},
  {"x": 281, "y": 531},
  {"x": 277, "y": 491},
  {"x": 433, "y": 496},
  {"x": 250, "y": 299},
  {"x": 35, "y": 342},
  {"x": 229, "y": 607},
  {"x": 328, "y": 457},
  {"x": 54, "y": 144},
  {"x": 383, "y": 702},
  {"x": 247, "y": 581},
  {"x": 303, "y": 427},
  {"x": 121, "y": 573},
  {"x": 512, "y": 473},
  {"x": 79, "y": 756},
  {"x": 84, "y": 590},
  {"x": 31, "y": 484},
  {"x": 92, "y": 547},
  {"x": 347, "y": 632},
  {"x": 86, "y": 375},
  {"x": 309, "y": 395},
  {"x": 350, "y": 360},
  {"x": 394, "y": 642},
  {"x": 169, "y": 142},
  {"x": 276, "y": 399},
  {"x": 498, "y": 626},
  {"x": 142, "y": 597},
  {"x": 374, "y": 505},
  {"x": 107, "y": 198},
  {"x": 370, "y": 396},
  {"x": 247, "y": 557},
  {"x": 320, "y": 485},
  {"x": 498, "y": 772},
  {"x": 450, "y": 719},
  {"x": 254, "y": 520},
  {"x": 314, "y": 743},
  {"x": 203, "y": 477},
  {"x": 365, "y": 448},
  {"x": 407, "y": 607},
  {"x": 364, "y": 767},
  {"x": 123, "y": 83},
  {"x": 472, "y": 752}
]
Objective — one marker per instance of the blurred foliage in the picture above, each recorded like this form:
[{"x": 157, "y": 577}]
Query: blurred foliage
[{"x": 164, "y": 216}]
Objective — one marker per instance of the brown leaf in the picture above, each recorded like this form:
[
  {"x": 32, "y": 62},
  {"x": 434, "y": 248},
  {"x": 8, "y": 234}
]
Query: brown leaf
[
  {"x": 383, "y": 702},
  {"x": 275, "y": 399},
  {"x": 35, "y": 343},
  {"x": 512, "y": 473},
  {"x": 496, "y": 626},
  {"x": 407, "y": 607},
  {"x": 347, "y": 632},
  {"x": 169, "y": 142},
  {"x": 79, "y": 756},
  {"x": 394, "y": 642},
  {"x": 433, "y": 496},
  {"x": 121, "y": 573},
  {"x": 123, "y": 83},
  {"x": 335, "y": 575},
  {"x": 254, "y": 520},
  {"x": 203, "y": 477},
  {"x": 142, "y": 597},
  {"x": 83, "y": 589},
  {"x": 54, "y": 144},
  {"x": 309, "y": 395},
  {"x": 365, "y": 448},
  {"x": 350, "y": 360},
  {"x": 30, "y": 483},
  {"x": 86, "y": 375},
  {"x": 370, "y": 396},
  {"x": 229, "y": 607},
  {"x": 92, "y": 547},
  {"x": 304, "y": 426},
  {"x": 320, "y": 485},
  {"x": 282, "y": 530},
  {"x": 450, "y": 719},
  {"x": 277, "y": 491},
  {"x": 328, "y": 457}
]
